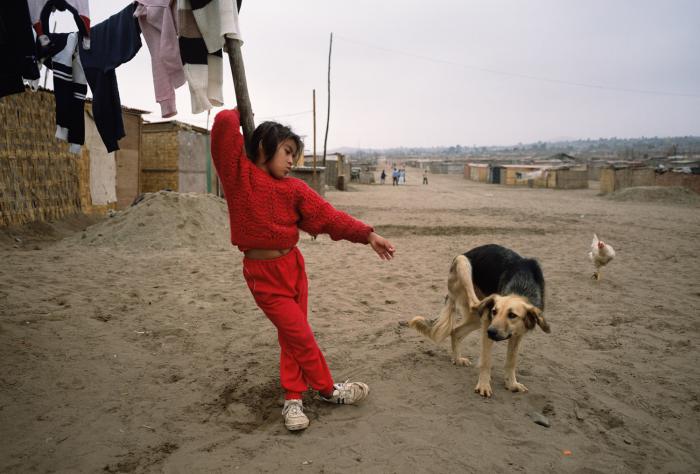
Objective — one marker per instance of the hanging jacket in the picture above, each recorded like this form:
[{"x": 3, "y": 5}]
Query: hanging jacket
[
  {"x": 70, "y": 87},
  {"x": 157, "y": 22},
  {"x": 114, "y": 41},
  {"x": 16, "y": 47},
  {"x": 203, "y": 27}
]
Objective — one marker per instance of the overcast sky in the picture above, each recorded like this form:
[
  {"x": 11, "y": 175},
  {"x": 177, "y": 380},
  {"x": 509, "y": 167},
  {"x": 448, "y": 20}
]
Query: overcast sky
[{"x": 447, "y": 72}]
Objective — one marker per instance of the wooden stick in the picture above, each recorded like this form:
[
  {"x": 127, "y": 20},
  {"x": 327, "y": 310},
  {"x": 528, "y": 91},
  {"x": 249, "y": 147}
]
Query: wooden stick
[
  {"x": 328, "y": 114},
  {"x": 240, "y": 85}
]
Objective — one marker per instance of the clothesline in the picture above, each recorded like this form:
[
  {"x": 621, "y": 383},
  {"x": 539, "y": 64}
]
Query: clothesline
[{"x": 185, "y": 44}]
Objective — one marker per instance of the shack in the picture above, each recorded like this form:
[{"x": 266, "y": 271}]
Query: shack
[
  {"x": 113, "y": 177},
  {"x": 533, "y": 176},
  {"x": 565, "y": 177},
  {"x": 480, "y": 172},
  {"x": 314, "y": 177},
  {"x": 176, "y": 156},
  {"x": 336, "y": 165},
  {"x": 614, "y": 178},
  {"x": 40, "y": 180}
]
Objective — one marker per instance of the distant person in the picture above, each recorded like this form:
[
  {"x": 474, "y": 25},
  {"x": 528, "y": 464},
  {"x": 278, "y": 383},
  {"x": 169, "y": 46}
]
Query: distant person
[
  {"x": 395, "y": 177},
  {"x": 402, "y": 176},
  {"x": 382, "y": 177},
  {"x": 266, "y": 209},
  {"x": 425, "y": 176}
]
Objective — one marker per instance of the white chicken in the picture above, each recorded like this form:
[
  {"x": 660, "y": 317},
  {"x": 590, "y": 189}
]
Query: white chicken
[{"x": 600, "y": 255}]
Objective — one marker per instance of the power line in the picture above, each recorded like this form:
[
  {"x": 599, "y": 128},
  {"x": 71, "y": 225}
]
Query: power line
[
  {"x": 198, "y": 120},
  {"x": 519, "y": 75},
  {"x": 285, "y": 115}
]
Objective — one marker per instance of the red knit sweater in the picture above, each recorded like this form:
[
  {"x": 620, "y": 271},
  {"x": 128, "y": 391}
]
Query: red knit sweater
[{"x": 266, "y": 212}]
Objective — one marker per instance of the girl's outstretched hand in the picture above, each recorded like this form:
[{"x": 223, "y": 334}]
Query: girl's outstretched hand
[{"x": 383, "y": 247}]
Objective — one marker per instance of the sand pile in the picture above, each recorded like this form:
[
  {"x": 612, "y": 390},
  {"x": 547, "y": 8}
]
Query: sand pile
[
  {"x": 663, "y": 194},
  {"x": 161, "y": 221}
]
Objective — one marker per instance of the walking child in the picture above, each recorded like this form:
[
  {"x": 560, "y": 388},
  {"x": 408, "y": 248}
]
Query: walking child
[{"x": 266, "y": 210}]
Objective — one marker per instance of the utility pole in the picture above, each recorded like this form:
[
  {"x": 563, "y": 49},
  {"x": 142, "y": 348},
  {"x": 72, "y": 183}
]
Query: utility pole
[{"x": 314, "y": 99}]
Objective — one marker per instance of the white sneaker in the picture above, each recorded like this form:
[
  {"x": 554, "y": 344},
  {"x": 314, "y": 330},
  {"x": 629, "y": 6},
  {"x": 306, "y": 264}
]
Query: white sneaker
[
  {"x": 347, "y": 393},
  {"x": 294, "y": 417}
]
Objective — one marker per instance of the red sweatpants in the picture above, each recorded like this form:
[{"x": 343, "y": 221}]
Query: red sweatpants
[{"x": 280, "y": 289}]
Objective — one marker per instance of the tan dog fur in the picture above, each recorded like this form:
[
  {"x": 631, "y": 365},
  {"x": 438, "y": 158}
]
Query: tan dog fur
[{"x": 505, "y": 317}]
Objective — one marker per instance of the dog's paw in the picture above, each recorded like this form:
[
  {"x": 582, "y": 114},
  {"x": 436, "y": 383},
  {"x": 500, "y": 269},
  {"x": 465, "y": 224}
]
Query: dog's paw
[
  {"x": 462, "y": 361},
  {"x": 483, "y": 389},
  {"x": 516, "y": 387}
]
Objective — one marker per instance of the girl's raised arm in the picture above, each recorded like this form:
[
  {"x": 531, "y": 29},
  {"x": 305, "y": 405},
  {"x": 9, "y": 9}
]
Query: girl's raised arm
[{"x": 227, "y": 145}]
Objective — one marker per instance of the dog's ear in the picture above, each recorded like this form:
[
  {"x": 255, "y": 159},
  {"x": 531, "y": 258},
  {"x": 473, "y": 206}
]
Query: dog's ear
[
  {"x": 534, "y": 316},
  {"x": 486, "y": 305}
]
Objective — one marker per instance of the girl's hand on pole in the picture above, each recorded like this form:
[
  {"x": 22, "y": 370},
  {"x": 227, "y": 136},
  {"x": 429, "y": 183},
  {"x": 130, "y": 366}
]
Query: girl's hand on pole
[{"x": 382, "y": 246}]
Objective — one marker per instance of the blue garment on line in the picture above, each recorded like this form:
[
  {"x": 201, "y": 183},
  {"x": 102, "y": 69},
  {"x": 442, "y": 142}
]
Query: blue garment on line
[{"x": 114, "y": 42}]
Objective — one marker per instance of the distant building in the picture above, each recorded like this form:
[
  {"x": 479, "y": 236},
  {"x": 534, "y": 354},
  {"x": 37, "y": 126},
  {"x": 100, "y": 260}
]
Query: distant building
[{"x": 534, "y": 176}]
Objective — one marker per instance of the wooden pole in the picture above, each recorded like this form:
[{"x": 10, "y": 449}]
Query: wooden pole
[
  {"x": 328, "y": 114},
  {"x": 208, "y": 153},
  {"x": 314, "y": 98},
  {"x": 240, "y": 85}
]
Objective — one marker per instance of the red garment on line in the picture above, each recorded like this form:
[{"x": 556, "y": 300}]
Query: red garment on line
[
  {"x": 280, "y": 289},
  {"x": 266, "y": 212}
]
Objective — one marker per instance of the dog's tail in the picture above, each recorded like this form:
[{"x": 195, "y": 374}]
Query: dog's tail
[
  {"x": 442, "y": 326},
  {"x": 439, "y": 329}
]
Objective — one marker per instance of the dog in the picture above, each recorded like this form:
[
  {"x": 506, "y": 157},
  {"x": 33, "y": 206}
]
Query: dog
[{"x": 514, "y": 306}]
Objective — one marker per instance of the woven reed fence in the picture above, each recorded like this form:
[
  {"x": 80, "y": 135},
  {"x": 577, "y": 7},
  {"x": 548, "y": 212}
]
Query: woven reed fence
[
  {"x": 159, "y": 157},
  {"x": 39, "y": 178}
]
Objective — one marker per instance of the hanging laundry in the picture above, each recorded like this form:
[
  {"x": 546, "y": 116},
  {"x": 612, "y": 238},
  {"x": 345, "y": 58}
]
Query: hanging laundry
[
  {"x": 40, "y": 10},
  {"x": 16, "y": 47},
  {"x": 114, "y": 42},
  {"x": 203, "y": 26},
  {"x": 70, "y": 87},
  {"x": 157, "y": 22}
]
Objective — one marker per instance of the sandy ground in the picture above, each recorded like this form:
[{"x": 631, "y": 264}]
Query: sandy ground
[{"x": 135, "y": 346}]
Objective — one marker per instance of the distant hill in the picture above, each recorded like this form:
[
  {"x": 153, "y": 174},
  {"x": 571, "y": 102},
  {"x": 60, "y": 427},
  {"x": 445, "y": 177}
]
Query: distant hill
[{"x": 623, "y": 148}]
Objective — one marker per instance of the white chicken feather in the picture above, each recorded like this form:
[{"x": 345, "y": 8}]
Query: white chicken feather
[{"x": 601, "y": 254}]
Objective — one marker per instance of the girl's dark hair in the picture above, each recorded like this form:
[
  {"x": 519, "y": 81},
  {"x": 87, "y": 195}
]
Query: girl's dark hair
[{"x": 268, "y": 136}]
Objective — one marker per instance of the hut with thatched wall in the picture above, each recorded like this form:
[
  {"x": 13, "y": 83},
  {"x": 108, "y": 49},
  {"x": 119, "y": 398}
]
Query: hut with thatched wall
[
  {"x": 40, "y": 180},
  {"x": 568, "y": 178},
  {"x": 39, "y": 177},
  {"x": 176, "y": 156},
  {"x": 533, "y": 176},
  {"x": 615, "y": 178}
]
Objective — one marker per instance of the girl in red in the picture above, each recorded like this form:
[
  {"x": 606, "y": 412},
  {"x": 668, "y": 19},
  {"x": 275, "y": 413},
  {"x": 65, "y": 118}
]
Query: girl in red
[{"x": 266, "y": 210}]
